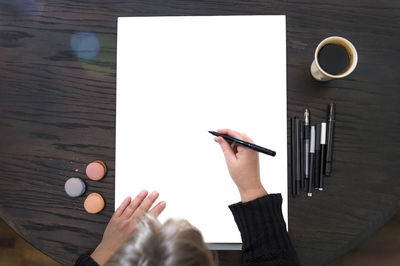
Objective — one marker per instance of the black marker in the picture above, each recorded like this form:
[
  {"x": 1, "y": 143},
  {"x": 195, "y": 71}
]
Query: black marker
[
  {"x": 306, "y": 142},
  {"x": 317, "y": 154},
  {"x": 244, "y": 143},
  {"x": 312, "y": 152},
  {"x": 322, "y": 160},
  {"x": 330, "y": 137}
]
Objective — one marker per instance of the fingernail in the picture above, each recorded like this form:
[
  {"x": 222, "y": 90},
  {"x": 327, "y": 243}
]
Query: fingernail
[
  {"x": 163, "y": 204},
  {"x": 154, "y": 193}
]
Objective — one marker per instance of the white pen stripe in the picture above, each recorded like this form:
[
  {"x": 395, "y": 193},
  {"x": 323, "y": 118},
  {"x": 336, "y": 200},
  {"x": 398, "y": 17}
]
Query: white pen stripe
[
  {"x": 323, "y": 133},
  {"x": 312, "y": 140}
]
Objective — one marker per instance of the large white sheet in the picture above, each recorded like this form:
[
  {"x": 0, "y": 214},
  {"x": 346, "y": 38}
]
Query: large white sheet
[{"x": 177, "y": 78}]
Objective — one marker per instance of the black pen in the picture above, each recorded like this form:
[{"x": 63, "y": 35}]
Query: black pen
[
  {"x": 330, "y": 136},
  {"x": 244, "y": 143},
  {"x": 298, "y": 155},
  {"x": 293, "y": 163},
  {"x": 317, "y": 154},
  {"x": 306, "y": 142},
  {"x": 322, "y": 160},
  {"x": 301, "y": 143},
  {"x": 312, "y": 152}
]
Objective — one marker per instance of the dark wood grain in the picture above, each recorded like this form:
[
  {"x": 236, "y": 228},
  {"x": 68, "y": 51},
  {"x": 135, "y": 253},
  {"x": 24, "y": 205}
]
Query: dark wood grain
[
  {"x": 57, "y": 113},
  {"x": 382, "y": 248},
  {"x": 15, "y": 251}
]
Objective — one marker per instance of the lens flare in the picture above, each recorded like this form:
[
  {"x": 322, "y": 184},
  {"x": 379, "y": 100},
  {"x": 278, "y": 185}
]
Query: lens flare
[
  {"x": 105, "y": 63},
  {"x": 85, "y": 45}
]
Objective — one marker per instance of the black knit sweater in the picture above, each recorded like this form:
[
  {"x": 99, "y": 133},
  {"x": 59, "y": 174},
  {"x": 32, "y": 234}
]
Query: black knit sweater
[{"x": 263, "y": 230}]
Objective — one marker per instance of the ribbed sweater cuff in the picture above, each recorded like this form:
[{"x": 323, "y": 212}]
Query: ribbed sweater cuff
[
  {"x": 86, "y": 260},
  {"x": 261, "y": 219}
]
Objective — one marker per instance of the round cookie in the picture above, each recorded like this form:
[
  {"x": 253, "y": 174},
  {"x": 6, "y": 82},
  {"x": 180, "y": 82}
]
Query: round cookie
[
  {"x": 74, "y": 187},
  {"x": 96, "y": 170},
  {"x": 94, "y": 203}
]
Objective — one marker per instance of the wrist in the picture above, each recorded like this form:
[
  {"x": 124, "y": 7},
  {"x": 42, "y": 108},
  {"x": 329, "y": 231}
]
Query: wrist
[
  {"x": 102, "y": 254},
  {"x": 252, "y": 194}
]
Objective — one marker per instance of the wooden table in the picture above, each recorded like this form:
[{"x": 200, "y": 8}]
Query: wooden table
[{"x": 57, "y": 113}]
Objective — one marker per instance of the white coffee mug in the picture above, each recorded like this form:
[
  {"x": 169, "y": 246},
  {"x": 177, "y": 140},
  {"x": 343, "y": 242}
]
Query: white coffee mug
[{"x": 319, "y": 74}]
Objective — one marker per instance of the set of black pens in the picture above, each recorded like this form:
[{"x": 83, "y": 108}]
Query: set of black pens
[{"x": 312, "y": 152}]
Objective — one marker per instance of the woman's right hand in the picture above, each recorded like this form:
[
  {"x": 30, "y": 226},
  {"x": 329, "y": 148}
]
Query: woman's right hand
[{"x": 243, "y": 165}]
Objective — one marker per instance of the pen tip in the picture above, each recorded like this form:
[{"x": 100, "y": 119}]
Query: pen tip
[{"x": 213, "y": 133}]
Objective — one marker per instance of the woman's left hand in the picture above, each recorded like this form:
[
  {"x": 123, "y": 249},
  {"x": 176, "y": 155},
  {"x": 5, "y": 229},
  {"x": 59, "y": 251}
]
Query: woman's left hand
[{"x": 123, "y": 223}]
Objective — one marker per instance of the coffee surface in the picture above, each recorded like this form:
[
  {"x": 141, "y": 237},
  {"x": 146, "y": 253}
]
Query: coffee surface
[{"x": 333, "y": 59}]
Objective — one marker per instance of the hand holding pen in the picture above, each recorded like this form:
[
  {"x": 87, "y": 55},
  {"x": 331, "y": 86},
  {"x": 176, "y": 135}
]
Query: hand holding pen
[
  {"x": 244, "y": 143},
  {"x": 243, "y": 165}
]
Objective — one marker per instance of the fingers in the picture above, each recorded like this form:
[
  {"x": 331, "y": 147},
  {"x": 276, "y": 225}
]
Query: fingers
[
  {"x": 122, "y": 207},
  {"x": 134, "y": 204},
  {"x": 247, "y": 138},
  {"x": 235, "y": 134},
  {"x": 135, "y": 208},
  {"x": 226, "y": 149},
  {"x": 156, "y": 210},
  {"x": 148, "y": 202}
]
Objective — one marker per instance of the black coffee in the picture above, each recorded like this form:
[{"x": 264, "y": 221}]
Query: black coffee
[{"x": 333, "y": 59}]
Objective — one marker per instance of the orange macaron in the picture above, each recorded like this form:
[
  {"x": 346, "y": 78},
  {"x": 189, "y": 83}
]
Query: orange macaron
[
  {"x": 96, "y": 170},
  {"x": 94, "y": 203}
]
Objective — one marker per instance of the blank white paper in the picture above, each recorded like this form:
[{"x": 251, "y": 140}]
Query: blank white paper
[{"x": 178, "y": 78}]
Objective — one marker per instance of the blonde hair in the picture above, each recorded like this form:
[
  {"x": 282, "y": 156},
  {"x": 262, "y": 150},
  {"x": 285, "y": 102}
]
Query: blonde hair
[{"x": 174, "y": 243}]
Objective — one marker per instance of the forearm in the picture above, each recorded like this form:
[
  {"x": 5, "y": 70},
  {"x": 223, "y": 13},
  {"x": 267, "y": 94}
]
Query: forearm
[{"x": 263, "y": 230}]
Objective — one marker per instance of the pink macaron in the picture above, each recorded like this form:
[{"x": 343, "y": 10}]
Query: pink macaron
[{"x": 96, "y": 170}]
